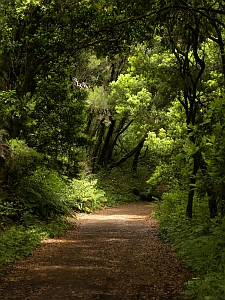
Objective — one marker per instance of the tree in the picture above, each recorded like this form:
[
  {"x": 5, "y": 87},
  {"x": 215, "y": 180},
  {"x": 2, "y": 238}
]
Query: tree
[{"x": 36, "y": 64}]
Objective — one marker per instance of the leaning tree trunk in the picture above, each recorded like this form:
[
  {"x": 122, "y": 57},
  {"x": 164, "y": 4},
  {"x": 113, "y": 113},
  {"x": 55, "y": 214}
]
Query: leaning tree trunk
[
  {"x": 128, "y": 155},
  {"x": 119, "y": 130}
]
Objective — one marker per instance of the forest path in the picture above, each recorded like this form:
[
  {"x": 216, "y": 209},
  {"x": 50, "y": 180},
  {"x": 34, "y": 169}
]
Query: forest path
[{"x": 114, "y": 254}]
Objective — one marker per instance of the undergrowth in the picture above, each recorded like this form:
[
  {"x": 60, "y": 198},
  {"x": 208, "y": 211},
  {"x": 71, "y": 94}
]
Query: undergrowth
[
  {"x": 118, "y": 185},
  {"x": 85, "y": 196},
  {"x": 200, "y": 242},
  {"x": 37, "y": 201},
  {"x": 19, "y": 241},
  {"x": 39, "y": 209}
]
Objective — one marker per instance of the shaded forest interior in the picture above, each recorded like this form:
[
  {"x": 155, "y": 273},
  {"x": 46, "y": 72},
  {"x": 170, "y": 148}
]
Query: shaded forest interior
[{"x": 108, "y": 103}]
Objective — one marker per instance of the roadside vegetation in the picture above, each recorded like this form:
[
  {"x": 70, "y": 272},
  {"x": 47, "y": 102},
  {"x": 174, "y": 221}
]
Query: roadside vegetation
[{"x": 37, "y": 206}]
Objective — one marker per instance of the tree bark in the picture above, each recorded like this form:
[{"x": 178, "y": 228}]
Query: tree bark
[
  {"x": 212, "y": 203},
  {"x": 128, "y": 155},
  {"x": 102, "y": 158},
  {"x": 98, "y": 144},
  {"x": 120, "y": 130},
  {"x": 137, "y": 155}
]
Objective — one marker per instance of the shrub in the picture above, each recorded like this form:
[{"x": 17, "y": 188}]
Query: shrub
[
  {"x": 24, "y": 161},
  {"x": 86, "y": 196},
  {"x": 43, "y": 194},
  {"x": 33, "y": 192},
  {"x": 19, "y": 241},
  {"x": 200, "y": 241}
]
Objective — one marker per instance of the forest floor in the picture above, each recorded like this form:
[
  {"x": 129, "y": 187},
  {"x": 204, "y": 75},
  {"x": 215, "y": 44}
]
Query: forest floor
[{"x": 114, "y": 254}]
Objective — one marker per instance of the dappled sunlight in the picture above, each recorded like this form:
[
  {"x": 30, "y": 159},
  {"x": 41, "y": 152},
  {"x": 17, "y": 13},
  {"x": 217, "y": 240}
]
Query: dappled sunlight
[
  {"x": 84, "y": 242},
  {"x": 125, "y": 217},
  {"x": 59, "y": 241},
  {"x": 69, "y": 268}
]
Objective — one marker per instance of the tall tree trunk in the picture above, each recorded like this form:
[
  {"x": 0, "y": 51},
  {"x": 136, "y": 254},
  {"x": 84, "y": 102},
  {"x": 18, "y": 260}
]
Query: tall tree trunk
[
  {"x": 212, "y": 195},
  {"x": 102, "y": 158},
  {"x": 98, "y": 144},
  {"x": 212, "y": 203},
  {"x": 90, "y": 118}
]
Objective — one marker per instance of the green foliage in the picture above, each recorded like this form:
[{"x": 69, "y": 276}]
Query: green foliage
[
  {"x": 56, "y": 118},
  {"x": 39, "y": 102},
  {"x": 9, "y": 104},
  {"x": 85, "y": 195},
  {"x": 199, "y": 241},
  {"x": 213, "y": 146},
  {"x": 158, "y": 67},
  {"x": 119, "y": 184},
  {"x": 20, "y": 241},
  {"x": 33, "y": 191},
  {"x": 24, "y": 160},
  {"x": 43, "y": 194},
  {"x": 166, "y": 148}
]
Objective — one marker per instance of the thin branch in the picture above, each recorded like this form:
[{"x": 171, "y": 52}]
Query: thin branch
[{"x": 124, "y": 129}]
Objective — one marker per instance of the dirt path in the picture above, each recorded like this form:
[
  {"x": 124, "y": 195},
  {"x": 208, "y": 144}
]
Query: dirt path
[{"x": 114, "y": 254}]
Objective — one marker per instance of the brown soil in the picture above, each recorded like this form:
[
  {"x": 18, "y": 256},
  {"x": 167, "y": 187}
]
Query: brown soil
[{"x": 115, "y": 254}]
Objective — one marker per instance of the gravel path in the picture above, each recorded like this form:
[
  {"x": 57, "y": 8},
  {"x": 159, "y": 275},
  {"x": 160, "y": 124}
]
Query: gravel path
[{"x": 114, "y": 254}]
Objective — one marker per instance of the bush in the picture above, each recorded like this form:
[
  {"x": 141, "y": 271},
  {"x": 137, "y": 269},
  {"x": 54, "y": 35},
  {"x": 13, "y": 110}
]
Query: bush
[
  {"x": 43, "y": 194},
  {"x": 19, "y": 241},
  {"x": 33, "y": 192},
  {"x": 24, "y": 161},
  {"x": 200, "y": 241},
  {"x": 120, "y": 183},
  {"x": 85, "y": 196}
]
